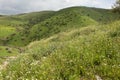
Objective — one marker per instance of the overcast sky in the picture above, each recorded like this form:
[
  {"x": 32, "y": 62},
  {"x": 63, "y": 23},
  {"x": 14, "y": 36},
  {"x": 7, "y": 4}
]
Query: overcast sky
[{"x": 23, "y": 6}]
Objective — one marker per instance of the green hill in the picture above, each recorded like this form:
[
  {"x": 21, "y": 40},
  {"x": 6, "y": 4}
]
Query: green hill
[
  {"x": 19, "y": 23},
  {"x": 81, "y": 53},
  {"x": 44, "y": 24},
  {"x": 77, "y": 43},
  {"x": 10, "y": 21}
]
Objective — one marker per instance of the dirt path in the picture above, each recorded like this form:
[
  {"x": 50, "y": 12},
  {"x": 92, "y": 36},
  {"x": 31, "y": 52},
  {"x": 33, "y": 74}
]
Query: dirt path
[{"x": 6, "y": 62}]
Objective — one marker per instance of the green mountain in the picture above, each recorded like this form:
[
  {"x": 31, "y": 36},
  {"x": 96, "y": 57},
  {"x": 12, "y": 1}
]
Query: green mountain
[{"x": 77, "y": 43}]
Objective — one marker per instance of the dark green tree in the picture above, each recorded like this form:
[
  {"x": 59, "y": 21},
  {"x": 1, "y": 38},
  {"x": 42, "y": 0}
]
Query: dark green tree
[{"x": 116, "y": 7}]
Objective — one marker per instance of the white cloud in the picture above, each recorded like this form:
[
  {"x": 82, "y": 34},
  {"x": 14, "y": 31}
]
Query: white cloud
[{"x": 20, "y": 6}]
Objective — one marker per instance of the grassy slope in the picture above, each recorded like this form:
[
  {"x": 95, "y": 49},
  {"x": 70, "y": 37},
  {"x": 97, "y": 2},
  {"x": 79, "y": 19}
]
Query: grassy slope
[
  {"x": 50, "y": 23},
  {"x": 99, "y": 15},
  {"x": 29, "y": 16},
  {"x": 77, "y": 54},
  {"x": 6, "y": 52},
  {"x": 13, "y": 25},
  {"x": 9, "y": 26},
  {"x": 10, "y": 21},
  {"x": 20, "y": 23},
  {"x": 6, "y": 31},
  {"x": 30, "y": 19}
]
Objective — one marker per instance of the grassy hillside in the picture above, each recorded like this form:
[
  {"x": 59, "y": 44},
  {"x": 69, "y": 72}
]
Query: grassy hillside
[
  {"x": 33, "y": 15},
  {"x": 10, "y": 21},
  {"x": 19, "y": 24},
  {"x": 45, "y": 24},
  {"x": 77, "y": 43},
  {"x": 9, "y": 26},
  {"x": 6, "y": 52},
  {"x": 103, "y": 16},
  {"x": 6, "y": 31},
  {"x": 81, "y": 53}
]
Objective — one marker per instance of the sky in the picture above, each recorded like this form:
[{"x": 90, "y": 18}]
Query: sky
[{"x": 24, "y": 6}]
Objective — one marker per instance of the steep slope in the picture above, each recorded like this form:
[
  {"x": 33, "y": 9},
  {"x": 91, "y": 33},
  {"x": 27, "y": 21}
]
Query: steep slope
[{"x": 79, "y": 54}]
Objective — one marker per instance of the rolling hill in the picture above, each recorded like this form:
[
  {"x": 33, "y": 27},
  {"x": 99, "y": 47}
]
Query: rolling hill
[
  {"x": 81, "y": 53},
  {"x": 47, "y": 23},
  {"x": 76, "y": 43}
]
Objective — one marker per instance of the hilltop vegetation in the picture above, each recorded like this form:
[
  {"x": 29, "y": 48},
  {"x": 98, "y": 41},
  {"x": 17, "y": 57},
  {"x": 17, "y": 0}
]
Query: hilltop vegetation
[{"x": 77, "y": 43}]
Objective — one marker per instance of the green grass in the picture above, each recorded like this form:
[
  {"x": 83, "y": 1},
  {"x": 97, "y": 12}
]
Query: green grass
[
  {"x": 7, "y": 51},
  {"x": 81, "y": 45},
  {"x": 5, "y": 31},
  {"x": 77, "y": 54},
  {"x": 34, "y": 15},
  {"x": 11, "y": 21}
]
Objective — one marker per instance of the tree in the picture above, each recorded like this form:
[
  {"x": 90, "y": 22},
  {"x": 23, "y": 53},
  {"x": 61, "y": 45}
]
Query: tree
[{"x": 116, "y": 7}]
